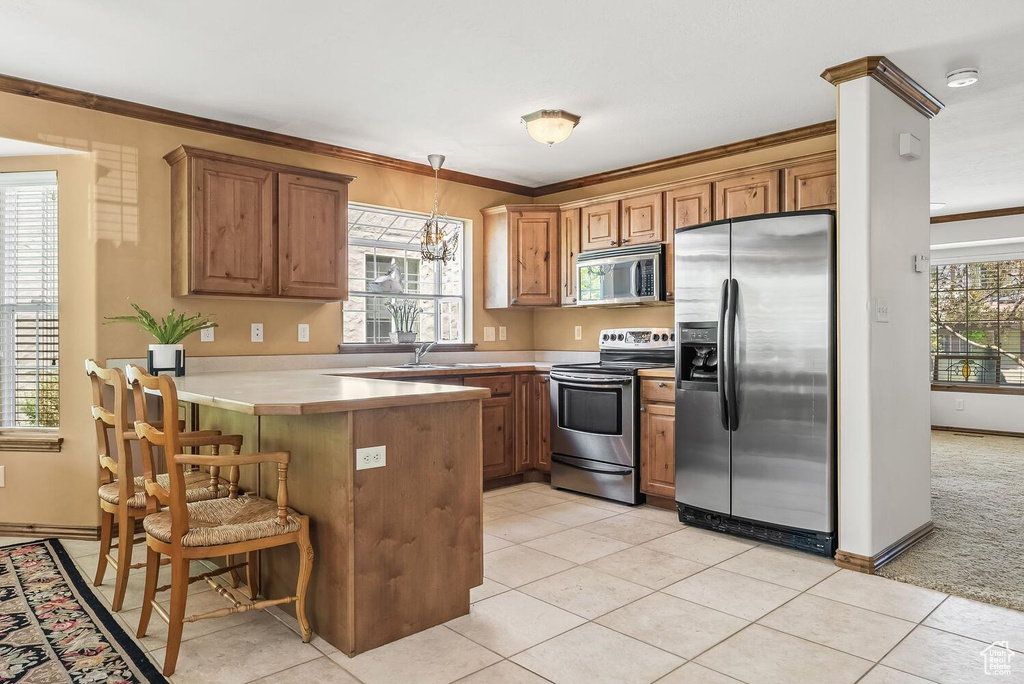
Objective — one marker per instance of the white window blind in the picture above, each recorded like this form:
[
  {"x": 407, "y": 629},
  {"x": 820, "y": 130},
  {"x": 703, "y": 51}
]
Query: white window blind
[{"x": 29, "y": 391}]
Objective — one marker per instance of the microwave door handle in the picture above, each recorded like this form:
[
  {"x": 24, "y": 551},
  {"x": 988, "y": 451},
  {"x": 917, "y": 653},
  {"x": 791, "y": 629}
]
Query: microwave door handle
[
  {"x": 723, "y": 359},
  {"x": 634, "y": 273}
]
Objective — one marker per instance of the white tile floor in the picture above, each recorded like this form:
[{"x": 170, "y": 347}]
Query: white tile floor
[{"x": 580, "y": 590}]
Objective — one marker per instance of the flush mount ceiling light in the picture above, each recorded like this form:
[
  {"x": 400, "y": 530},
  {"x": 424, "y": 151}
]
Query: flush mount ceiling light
[
  {"x": 937, "y": 205},
  {"x": 961, "y": 78},
  {"x": 550, "y": 126}
]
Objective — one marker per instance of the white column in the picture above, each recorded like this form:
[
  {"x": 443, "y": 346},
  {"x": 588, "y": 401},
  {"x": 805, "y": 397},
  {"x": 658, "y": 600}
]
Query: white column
[{"x": 884, "y": 409}]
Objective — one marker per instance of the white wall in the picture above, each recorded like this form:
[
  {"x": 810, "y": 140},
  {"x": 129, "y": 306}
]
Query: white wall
[
  {"x": 884, "y": 411},
  {"x": 988, "y": 239}
]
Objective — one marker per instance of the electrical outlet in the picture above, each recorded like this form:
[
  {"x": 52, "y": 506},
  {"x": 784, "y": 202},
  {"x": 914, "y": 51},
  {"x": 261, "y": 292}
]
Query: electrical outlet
[
  {"x": 882, "y": 310},
  {"x": 578, "y": 332},
  {"x": 488, "y": 334},
  {"x": 959, "y": 404},
  {"x": 257, "y": 332},
  {"x": 303, "y": 332},
  {"x": 3, "y": 476},
  {"x": 206, "y": 335},
  {"x": 502, "y": 333},
  {"x": 371, "y": 457}
]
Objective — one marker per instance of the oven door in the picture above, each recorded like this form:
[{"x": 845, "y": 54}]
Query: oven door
[{"x": 593, "y": 417}]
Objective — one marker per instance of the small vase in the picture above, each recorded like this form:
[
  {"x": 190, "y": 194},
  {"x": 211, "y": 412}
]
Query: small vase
[
  {"x": 404, "y": 337},
  {"x": 167, "y": 358}
]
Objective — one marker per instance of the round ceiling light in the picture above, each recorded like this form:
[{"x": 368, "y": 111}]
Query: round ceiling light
[
  {"x": 550, "y": 126},
  {"x": 961, "y": 78}
]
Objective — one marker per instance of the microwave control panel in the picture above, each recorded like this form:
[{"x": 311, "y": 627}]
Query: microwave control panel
[{"x": 646, "y": 285}]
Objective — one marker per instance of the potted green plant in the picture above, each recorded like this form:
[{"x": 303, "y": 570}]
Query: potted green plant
[
  {"x": 168, "y": 353},
  {"x": 405, "y": 314}
]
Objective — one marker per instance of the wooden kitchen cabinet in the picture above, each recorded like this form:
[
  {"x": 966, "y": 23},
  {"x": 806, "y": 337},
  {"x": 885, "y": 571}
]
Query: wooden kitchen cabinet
[
  {"x": 685, "y": 206},
  {"x": 658, "y": 449},
  {"x": 641, "y": 220},
  {"x": 599, "y": 226},
  {"x": 521, "y": 266},
  {"x": 810, "y": 186},
  {"x": 542, "y": 460},
  {"x": 245, "y": 227},
  {"x": 533, "y": 422},
  {"x": 747, "y": 194},
  {"x": 498, "y": 437},
  {"x": 568, "y": 249}
]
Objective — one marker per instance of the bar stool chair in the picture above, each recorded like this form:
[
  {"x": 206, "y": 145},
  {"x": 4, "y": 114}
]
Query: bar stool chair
[
  {"x": 211, "y": 528},
  {"x": 121, "y": 494}
]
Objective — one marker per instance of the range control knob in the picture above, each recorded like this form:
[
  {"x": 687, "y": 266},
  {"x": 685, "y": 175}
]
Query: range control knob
[
  {"x": 604, "y": 337},
  {"x": 672, "y": 337},
  {"x": 620, "y": 337}
]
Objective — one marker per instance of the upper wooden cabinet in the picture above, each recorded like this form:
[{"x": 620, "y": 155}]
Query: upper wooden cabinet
[
  {"x": 568, "y": 249},
  {"x": 243, "y": 227},
  {"x": 747, "y": 194},
  {"x": 521, "y": 265},
  {"x": 685, "y": 206},
  {"x": 810, "y": 186},
  {"x": 599, "y": 226},
  {"x": 642, "y": 220}
]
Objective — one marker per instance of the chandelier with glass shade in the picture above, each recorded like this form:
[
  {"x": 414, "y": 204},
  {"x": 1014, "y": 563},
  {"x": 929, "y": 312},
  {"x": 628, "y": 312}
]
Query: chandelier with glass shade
[{"x": 439, "y": 239}]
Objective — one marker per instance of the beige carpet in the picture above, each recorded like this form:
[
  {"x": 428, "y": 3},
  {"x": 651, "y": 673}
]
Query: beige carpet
[{"x": 977, "y": 549}]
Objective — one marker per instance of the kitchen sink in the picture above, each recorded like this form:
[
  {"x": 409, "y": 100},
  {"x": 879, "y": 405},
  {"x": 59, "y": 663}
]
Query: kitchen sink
[{"x": 441, "y": 366}]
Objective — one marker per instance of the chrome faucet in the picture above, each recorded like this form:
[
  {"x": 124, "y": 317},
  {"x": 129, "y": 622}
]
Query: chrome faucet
[{"x": 421, "y": 351}]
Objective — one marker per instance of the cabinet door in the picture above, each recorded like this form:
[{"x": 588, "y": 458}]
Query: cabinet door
[
  {"x": 658, "y": 450},
  {"x": 312, "y": 234},
  {"x": 232, "y": 241},
  {"x": 534, "y": 257},
  {"x": 642, "y": 220},
  {"x": 756, "y": 193},
  {"x": 498, "y": 426},
  {"x": 686, "y": 206},
  {"x": 599, "y": 226},
  {"x": 811, "y": 186},
  {"x": 543, "y": 402},
  {"x": 524, "y": 420},
  {"x": 570, "y": 247}
]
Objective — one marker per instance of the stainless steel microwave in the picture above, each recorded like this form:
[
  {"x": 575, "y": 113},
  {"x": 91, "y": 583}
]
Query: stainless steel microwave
[{"x": 626, "y": 275}]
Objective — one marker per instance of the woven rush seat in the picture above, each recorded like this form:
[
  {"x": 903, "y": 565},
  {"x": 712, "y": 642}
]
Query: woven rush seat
[
  {"x": 224, "y": 521},
  {"x": 197, "y": 485}
]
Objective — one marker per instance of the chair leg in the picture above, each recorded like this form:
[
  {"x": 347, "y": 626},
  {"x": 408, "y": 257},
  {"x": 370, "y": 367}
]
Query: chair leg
[
  {"x": 252, "y": 577},
  {"x": 305, "y": 570},
  {"x": 125, "y": 539},
  {"x": 179, "y": 596},
  {"x": 106, "y": 532},
  {"x": 152, "y": 576},
  {"x": 235, "y": 578}
]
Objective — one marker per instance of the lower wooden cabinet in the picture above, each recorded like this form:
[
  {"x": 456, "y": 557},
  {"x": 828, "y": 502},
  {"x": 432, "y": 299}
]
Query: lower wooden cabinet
[
  {"x": 499, "y": 434},
  {"x": 543, "y": 432},
  {"x": 658, "y": 450}
]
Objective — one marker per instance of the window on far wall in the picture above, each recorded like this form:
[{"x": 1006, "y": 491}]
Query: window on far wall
[
  {"x": 385, "y": 266},
  {"x": 29, "y": 390},
  {"x": 977, "y": 311}
]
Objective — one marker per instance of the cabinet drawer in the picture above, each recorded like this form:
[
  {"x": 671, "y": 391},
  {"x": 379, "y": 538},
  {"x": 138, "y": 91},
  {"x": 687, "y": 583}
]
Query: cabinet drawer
[
  {"x": 659, "y": 390},
  {"x": 500, "y": 385}
]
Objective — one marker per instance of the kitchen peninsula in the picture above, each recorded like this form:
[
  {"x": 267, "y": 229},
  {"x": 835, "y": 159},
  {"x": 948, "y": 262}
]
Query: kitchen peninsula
[{"x": 398, "y": 545}]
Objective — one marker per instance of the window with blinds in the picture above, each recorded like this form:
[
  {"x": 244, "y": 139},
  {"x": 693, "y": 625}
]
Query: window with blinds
[{"x": 29, "y": 389}]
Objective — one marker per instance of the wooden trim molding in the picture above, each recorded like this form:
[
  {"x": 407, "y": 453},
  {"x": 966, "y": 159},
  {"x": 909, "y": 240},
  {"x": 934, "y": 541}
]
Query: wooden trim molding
[
  {"x": 868, "y": 564},
  {"x": 33, "y": 530},
  {"x": 971, "y": 215},
  {"x": 761, "y": 142},
  {"x": 111, "y": 105},
  {"x": 889, "y": 75},
  {"x": 13, "y": 441},
  {"x": 977, "y": 431},
  {"x": 973, "y": 388},
  {"x": 401, "y": 348}
]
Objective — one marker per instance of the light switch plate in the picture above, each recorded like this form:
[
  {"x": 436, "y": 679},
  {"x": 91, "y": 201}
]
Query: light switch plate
[
  {"x": 206, "y": 335},
  {"x": 488, "y": 333},
  {"x": 3, "y": 476},
  {"x": 881, "y": 309},
  {"x": 578, "y": 332},
  {"x": 303, "y": 332},
  {"x": 959, "y": 404},
  {"x": 502, "y": 333},
  {"x": 371, "y": 457},
  {"x": 257, "y": 332}
]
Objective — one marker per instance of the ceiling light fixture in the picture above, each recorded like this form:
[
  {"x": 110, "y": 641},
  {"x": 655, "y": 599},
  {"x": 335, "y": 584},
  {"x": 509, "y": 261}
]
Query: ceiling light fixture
[
  {"x": 550, "y": 126},
  {"x": 963, "y": 77},
  {"x": 935, "y": 206},
  {"x": 440, "y": 238}
]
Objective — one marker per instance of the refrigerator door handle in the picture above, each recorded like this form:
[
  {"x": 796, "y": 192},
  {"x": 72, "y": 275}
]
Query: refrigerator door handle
[
  {"x": 723, "y": 312},
  {"x": 730, "y": 344}
]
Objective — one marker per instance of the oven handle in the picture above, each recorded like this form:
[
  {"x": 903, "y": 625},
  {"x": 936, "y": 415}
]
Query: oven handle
[
  {"x": 594, "y": 380},
  {"x": 573, "y": 464}
]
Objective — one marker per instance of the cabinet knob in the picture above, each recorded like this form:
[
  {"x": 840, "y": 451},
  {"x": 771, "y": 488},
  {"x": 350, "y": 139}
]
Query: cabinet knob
[
  {"x": 514, "y": 300},
  {"x": 625, "y": 240},
  {"x": 643, "y": 409},
  {"x": 661, "y": 384},
  {"x": 612, "y": 243}
]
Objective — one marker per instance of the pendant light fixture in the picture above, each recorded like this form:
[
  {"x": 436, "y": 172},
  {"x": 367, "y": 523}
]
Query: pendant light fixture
[
  {"x": 550, "y": 126},
  {"x": 439, "y": 240}
]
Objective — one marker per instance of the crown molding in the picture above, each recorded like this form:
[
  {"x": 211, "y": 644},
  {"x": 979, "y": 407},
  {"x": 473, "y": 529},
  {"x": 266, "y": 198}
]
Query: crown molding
[
  {"x": 987, "y": 213},
  {"x": 110, "y": 105},
  {"x": 889, "y": 75},
  {"x": 761, "y": 142}
]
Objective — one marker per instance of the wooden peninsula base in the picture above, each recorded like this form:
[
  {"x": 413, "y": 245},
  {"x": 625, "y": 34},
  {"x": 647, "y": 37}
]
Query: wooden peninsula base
[{"x": 397, "y": 547}]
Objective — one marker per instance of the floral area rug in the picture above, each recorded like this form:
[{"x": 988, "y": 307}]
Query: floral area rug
[{"x": 54, "y": 629}]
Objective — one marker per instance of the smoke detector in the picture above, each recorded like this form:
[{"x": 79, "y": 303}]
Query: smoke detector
[{"x": 961, "y": 78}]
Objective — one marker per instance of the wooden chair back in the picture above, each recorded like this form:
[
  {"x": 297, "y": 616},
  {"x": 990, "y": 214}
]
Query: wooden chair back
[
  {"x": 167, "y": 436},
  {"x": 114, "y": 464}
]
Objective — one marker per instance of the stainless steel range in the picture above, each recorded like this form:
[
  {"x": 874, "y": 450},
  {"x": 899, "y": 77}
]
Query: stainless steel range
[{"x": 595, "y": 414}]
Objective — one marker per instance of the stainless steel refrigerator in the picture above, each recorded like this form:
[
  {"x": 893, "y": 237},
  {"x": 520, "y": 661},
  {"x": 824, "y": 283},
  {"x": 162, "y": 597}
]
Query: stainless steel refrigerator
[{"x": 755, "y": 376}]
